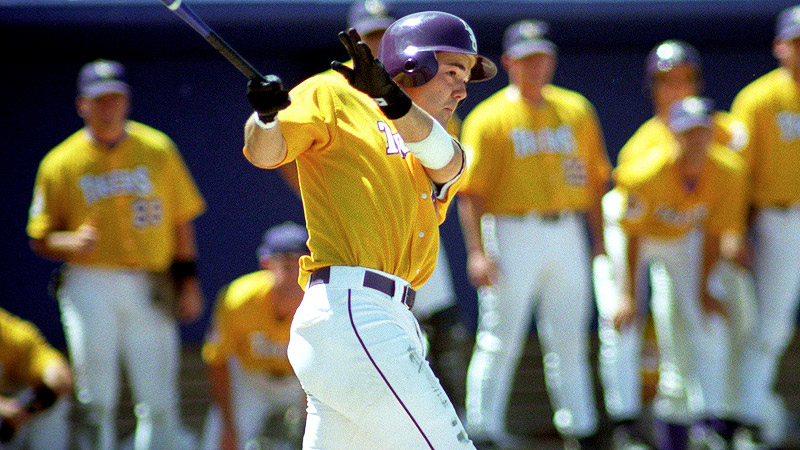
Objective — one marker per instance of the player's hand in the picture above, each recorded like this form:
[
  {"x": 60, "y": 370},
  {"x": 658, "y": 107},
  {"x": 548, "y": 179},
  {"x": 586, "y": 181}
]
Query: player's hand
[
  {"x": 190, "y": 300},
  {"x": 369, "y": 76},
  {"x": 84, "y": 239},
  {"x": 58, "y": 377},
  {"x": 267, "y": 96},
  {"x": 626, "y": 313},
  {"x": 482, "y": 270}
]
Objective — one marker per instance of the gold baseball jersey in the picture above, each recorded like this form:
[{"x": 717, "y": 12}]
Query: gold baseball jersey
[
  {"x": 524, "y": 158},
  {"x": 656, "y": 202},
  {"x": 24, "y": 352},
  {"x": 770, "y": 108},
  {"x": 244, "y": 326},
  {"x": 135, "y": 194},
  {"x": 727, "y": 131},
  {"x": 368, "y": 202}
]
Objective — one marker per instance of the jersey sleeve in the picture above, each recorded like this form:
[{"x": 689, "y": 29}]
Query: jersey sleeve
[
  {"x": 309, "y": 123},
  {"x": 217, "y": 346},
  {"x": 731, "y": 213},
  {"x": 188, "y": 203},
  {"x": 45, "y": 213},
  {"x": 592, "y": 137},
  {"x": 484, "y": 165},
  {"x": 24, "y": 350}
]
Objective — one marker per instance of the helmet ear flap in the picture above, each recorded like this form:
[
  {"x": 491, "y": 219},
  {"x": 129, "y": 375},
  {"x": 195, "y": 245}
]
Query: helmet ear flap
[{"x": 418, "y": 69}]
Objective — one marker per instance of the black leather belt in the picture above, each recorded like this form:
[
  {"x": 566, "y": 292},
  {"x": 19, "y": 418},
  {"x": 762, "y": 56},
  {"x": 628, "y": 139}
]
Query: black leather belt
[{"x": 372, "y": 280}]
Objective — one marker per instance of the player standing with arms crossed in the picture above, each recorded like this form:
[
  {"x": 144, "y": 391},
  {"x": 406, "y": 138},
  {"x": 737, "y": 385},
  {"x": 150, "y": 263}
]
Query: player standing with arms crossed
[
  {"x": 245, "y": 350},
  {"x": 377, "y": 170},
  {"x": 673, "y": 71},
  {"x": 537, "y": 165},
  {"x": 682, "y": 210},
  {"x": 770, "y": 108},
  {"x": 38, "y": 379},
  {"x": 116, "y": 203}
]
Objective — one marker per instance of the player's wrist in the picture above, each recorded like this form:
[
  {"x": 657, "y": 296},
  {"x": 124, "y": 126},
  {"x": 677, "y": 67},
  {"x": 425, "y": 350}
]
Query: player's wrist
[
  {"x": 436, "y": 150},
  {"x": 395, "y": 103},
  {"x": 265, "y": 121},
  {"x": 183, "y": 270}
]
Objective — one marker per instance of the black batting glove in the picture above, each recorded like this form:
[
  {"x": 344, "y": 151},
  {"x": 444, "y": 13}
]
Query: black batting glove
[
  {"x": 267, "y": 96},
  {"x": 369, "y": 76}
]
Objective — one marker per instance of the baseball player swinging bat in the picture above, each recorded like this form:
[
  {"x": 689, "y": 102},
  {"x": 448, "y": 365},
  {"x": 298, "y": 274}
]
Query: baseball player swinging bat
[{"x": 183, "y": 11}]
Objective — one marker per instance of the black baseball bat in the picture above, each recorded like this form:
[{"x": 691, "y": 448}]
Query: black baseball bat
[{"x": 183, "y": 11}]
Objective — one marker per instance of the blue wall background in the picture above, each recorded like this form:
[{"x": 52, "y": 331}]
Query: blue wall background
[{"x": 183, "y": 87}]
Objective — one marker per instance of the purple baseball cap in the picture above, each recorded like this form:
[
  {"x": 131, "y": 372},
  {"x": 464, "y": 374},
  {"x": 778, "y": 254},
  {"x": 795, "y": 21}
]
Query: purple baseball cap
[
  {"x": 369, "y": 16},
  {"x": 287, "y": 237},
  {"x": 527, "y": 37},
  {"x": 788, "y": 26},
  {"x": 102, "y": 77},
  {"x": 691, "y": 112}
]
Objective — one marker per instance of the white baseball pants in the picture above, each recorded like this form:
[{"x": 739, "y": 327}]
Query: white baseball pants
[
  {"x": 544, "y": 271},
  {"x": 359, "y": 355},
  {"x": 693, "y": 348},
  {"x": 110, "y": 319},
  {"x": 777, "y": 279},
  {"x": 255, "y": 397},
  {"x": 437, "y": 293}
]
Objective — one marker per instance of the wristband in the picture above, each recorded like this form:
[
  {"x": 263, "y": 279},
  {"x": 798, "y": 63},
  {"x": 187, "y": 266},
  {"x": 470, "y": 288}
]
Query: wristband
[
  {"x": 181, "y": 270},
  {"x": 266, "y": 125},
  {"x": 436, "y": 150},
  {"x": 395, "y": 104}
]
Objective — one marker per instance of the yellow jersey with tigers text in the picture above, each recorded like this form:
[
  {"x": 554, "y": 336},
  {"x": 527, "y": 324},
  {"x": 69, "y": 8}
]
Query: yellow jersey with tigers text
[
  {"x": 135, "y": 194},
  {"x": 656, "y": 202},
  {"x": 526, "y": 158},
  {"x": 770, "y": 108},
  {"x": 245, "y": 326},
  {"x": 367, "y": 201}
]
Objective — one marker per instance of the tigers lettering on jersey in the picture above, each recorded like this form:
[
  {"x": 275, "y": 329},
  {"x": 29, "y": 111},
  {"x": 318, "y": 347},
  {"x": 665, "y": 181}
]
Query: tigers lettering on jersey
[
  {"x": 529, "y": 142},
  {"x": 116, "y": 183},
  {"x": 671, "y": 216},
  {"x": 394, "y": 142}
]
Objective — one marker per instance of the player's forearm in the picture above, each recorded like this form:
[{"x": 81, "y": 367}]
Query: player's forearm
[
  {"x": 628, "y": 282},
  {"x": 594, "y": 222},
  {"x": 219, "y": 381},
  {"x": 711, "y": 253},
  {"x": 417, "y": 126},
  {"x": 470, "y": 211},
  {"x": 264, "y": 148}
]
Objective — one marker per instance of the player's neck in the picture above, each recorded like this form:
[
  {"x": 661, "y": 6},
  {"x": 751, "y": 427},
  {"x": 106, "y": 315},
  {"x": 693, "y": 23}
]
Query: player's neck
[{"x": 109, "y": 138}]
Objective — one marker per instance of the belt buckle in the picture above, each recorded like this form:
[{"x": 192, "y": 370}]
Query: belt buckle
[{"x": 409, "y": 294}]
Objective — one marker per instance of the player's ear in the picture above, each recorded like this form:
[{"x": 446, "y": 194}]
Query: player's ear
[
  {"x": 80, "y": 106},
  {"x": 779, "y": 49}
]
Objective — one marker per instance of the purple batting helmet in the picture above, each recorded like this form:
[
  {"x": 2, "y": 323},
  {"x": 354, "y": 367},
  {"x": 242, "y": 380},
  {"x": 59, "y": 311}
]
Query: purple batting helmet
[
  {"x": 669, "y": 55},
  {"x": 409, "y": 46}
]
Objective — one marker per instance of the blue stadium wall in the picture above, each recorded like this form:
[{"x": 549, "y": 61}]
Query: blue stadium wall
[{"x": 183, "y": 87}]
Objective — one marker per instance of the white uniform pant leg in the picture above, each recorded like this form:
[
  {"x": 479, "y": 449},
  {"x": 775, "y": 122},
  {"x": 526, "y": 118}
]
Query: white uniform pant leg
[
  {"x": 437, "y": 293},
  {"x": 88, "y": 299},
  {"x": 359, "y": 356},
  {"x": 504, "y": 319},
  {"x": 151, "y": 354},
  {"x": 256, "y": 396},
  {"x": 777, "y": 279},
  {"x": 563, "y": 318},
  {"x": 693, "y": 348},
  {"x": 48, "y": 430},
  {"x": 620, "y": 351}
]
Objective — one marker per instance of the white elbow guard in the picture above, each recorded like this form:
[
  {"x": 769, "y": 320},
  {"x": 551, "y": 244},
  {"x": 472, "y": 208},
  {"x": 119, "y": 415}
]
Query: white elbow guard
[{"x": 436, "y": 150}]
